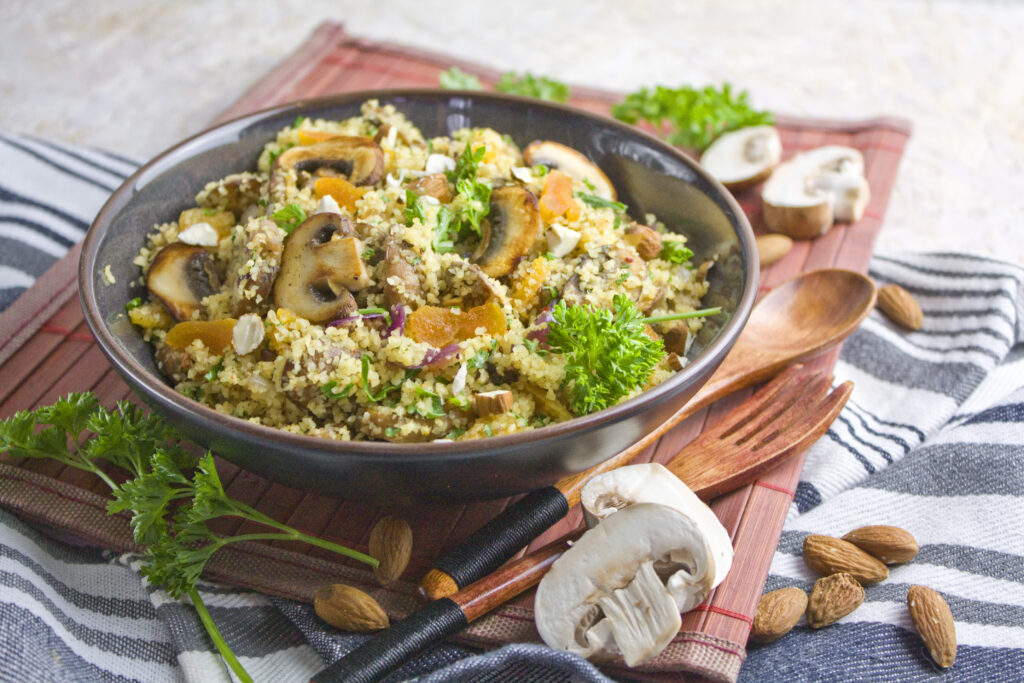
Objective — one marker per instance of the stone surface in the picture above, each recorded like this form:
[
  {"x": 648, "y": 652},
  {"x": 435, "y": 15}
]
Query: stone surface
[{"x": 136, "y": 77}]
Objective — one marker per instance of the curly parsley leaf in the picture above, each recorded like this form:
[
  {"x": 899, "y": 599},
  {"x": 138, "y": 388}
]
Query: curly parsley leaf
[
  {"x": 675, "y": 252},
  {"x": 457, "y": 79},
  {"x": 289, "y": 217},
  {"x": 694, "y": 117},
  {"x": 475, "y": 193},
  {"x": 528, "y": 85}
]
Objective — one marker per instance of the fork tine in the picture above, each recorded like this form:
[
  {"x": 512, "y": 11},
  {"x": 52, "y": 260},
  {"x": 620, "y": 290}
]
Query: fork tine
[{"x": 785, "y": 409}]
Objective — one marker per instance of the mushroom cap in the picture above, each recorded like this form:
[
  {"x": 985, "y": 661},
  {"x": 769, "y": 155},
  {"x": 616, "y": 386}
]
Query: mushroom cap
[
  {"x": 358, "y": 158},
  {"x": 318, "y": 268},
  {"x": 743, "y": 157},
  {"x": 570, "y": 162},
  {"x": 800, "y": 196},
  {"x": 509, "y": 231},
  {"x": 598, "y": 599},
  {"x": 652, "y": 482},
  {"x": 180, "y": 276}
]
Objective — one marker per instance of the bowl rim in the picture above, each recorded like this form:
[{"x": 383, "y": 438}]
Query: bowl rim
[{"x": 209, "y": 420}]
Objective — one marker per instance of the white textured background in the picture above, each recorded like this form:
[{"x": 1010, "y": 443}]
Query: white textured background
[{"x": 135, "y": 77}]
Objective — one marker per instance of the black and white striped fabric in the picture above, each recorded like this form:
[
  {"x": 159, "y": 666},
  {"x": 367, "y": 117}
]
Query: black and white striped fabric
[{"x": 932, "y": 440}]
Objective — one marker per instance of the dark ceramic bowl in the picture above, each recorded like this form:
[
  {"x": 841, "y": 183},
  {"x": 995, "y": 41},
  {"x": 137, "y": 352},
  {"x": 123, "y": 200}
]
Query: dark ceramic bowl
[{"x": 650, "y": 176}]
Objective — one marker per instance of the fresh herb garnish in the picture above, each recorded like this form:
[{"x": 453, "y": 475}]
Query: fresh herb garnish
[
  {"x": 675, "y": 252},
  {"x": 290, "y": 217},
  {"x": 528, "y": 85},
  {"x": 328, "y": 390},
  {"x": 368, "y": 253},
  {"x": 455, "y": 434},
  {"x": 599, "y": 202},
  {"x": 436, "y": 407},
  {"x": 298, "y": 121},
  {"x": 475, "y": 192},
  {"x": 443, "y": 242},
  {"x": 279, "y": 151},
  {"x": 699, "y": 313},
  {"x": 548, "y": 256},
  {"x": 169, "y": 494},
  {"x": 365, "y": 375},
  {"x": 212, "y": 373},
  {"x": 133, "y": 304},
  {"x": 694, "y": 117},
  {"x": 413, "y": 208},
  {"x": 461, "y": 402},
  {"x": 479, "y": 359},
  {"x": 533, "y": 346},
  {"x": 457, "y": 79}
]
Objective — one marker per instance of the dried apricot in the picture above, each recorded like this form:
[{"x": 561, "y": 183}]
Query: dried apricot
[
  {"x": 215, "y": 334},
  {"x": 489, "y": 316},
  {"x": 527, "y": 283},
  {"x": 556, "y": 199},
  {"x": 432, "y": 324},
  {"x": 344, "y": 192}
]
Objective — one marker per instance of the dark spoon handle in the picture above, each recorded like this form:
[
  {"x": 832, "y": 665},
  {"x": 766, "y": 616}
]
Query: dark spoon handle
[
  {"x": 493, "y": 544},
  {"x": 387, "y": 650}
]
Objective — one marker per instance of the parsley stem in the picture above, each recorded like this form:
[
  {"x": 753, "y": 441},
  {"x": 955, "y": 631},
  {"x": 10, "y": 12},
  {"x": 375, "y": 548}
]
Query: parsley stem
[
  {"x": 682, "y": 316},
  {"x": 217, "y": 638}
]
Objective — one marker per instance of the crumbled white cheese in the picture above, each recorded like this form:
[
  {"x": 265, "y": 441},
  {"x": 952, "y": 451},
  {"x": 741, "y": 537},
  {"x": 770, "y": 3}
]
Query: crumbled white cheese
[
  {"x": 392, "y": 137},
  {"x": 327, "y": 205},
  {"x": 247, "y": 334},
  {"x": 522, "y": 174},
  {"x": 459, "y": 381},
  {"x": 199, "y": 235},
  {"x": 392, "y": 181},
  {"x": 428, "y": 199},
  {"x": 562, "y": 240},
  {"x": 439, "y": 163}
]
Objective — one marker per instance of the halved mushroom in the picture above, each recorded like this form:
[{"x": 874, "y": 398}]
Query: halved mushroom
[
  {"x": 180, "y": 276},
  {"x": 509, "y": 231},
  {"x": 320, "y": 264},
  {"x": 654, "y": 483},
  {"x": 806, "y": 194},
  {"x": 570, "y": 162},
  {"x": 620, "y": 588},
  {"x": 359, "y": 159},
  {"x": 401, "y": 281},
  {"x": 743, "y": 157}
]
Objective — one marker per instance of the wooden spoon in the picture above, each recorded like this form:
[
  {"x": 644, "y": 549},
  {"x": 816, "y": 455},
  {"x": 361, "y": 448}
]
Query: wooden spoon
[
  {"x": 785, "y": 417},
  {"x": 795, "y": 321}
]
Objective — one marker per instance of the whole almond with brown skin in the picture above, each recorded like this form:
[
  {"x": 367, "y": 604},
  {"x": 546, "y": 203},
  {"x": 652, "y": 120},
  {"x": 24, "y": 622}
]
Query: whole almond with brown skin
[
  {"x": 900, "y": 306},
  {"x": 349, "y": 609},
  {"x": 890, "y": 544},
  {"x": 391, "y": 544},
  {"x": 772, "y": 247},
  {"x": 934, "y": 622},
  {"x": 777, "y": 614},
  {"x": 827, "y": 555},
  {"x": 832, "y": 598}
]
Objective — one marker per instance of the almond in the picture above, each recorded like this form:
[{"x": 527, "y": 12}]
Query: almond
[
  {"x": 900, "y": 306},
  {"x": 827, "y": 555},
  {"x": 644, "y": 239},
  {"x": 934, "y": 622},
  {"x": 772, "y": 247},
  {"x": 349, "y": 609},
  {"x": 391, "y": 545},
  {"x": 777, "y": 614},
  {"x": 890, "y": 544},
  {"x": 832, "y": 598}
]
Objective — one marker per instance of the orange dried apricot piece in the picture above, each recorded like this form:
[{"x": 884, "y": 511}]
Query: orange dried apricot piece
[
  {"x": 488, "y": 316},
  {"x": 556, "y": 199},
  {"x": 344, "y": 192},
  {"x": 432, "y": 324},
  {"x": 215, "y": 334},
  {"x": 527, "y": 283}
]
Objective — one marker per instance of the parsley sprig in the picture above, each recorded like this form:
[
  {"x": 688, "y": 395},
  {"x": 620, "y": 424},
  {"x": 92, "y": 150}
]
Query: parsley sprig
[
  {"x": 694, "y": 117},
  {"x": 169, "y": 494},
  {"x": 528, "y": 85},
  {"x": 475, "y": 192},
  {"x": 608, "y": 353}
]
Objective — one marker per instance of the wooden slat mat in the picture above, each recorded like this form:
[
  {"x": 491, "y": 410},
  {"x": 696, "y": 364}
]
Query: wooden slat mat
[{"x": 46, "y": 351}]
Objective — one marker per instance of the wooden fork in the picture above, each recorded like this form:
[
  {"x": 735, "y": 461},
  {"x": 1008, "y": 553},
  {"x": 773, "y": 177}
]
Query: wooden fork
[{"x": 785, "y": 417}]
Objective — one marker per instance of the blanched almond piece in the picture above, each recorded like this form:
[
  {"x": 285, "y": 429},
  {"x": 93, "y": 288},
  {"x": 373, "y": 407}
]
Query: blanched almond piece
[
  {"x": 247, "y": 334},
  {"x": 493, "y": 402}
]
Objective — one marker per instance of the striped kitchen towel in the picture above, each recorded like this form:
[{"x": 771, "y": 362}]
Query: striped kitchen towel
[{"x": 932, "y": 440}]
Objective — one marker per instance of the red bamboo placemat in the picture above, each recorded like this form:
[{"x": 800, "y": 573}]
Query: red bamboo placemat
[{"x": 46, "y": 351}]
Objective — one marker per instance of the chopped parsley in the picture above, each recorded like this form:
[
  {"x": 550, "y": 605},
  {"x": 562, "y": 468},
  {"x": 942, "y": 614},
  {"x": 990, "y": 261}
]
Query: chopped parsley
[
  {"x": 133, "y": 304},
  {"x": 528, "y": 85},
  {"x": 298, "y": 121},
  {"x": 368, "y": 253},
  {"x": 436, "y": 408},
  {"x": 457, "y": 79},
  {"x": 455, "y": 434},
  {"x": 548, "y": 256},
  {"x": 212, "y": 373},
  {"x": 328, "y": 390},
  {"x": 290, "y": 217},
  {"x": 675, "y": 252},
  {"x": 460, "y": 402},
  {"x": 278, "y": 152},
  {"x": 599, "y": 202},
  {"x": 476, "y": 193},
  {"x": 479, "y": 359},
  {"x": 365, "y": 375}
]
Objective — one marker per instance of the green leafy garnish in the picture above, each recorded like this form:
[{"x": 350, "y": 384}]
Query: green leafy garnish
[
  {"x": 328, "y": 390},
  {"x": 479, "y": 359},
  {"x": 694, "y": 117},
  {"x": 133, "y": 303},
  {"x": 461, "y": 402},
  {"x": 443, "y": 242},
  {"x": 212, "y": 373},
  {"x": 290, "y": 217},
  {"x": 607, "y": 353},
  {"x": 365, "y": 375},
  {"x": 528, "y": 85},
  {"x": 675, "y": 252},
  {"x": 368, "y": 253},
  {"x": 279, "y": 151},
  {"x": 169, "y": 495},
  {"x": 413, "y": 208},
  {"x": 455, "y": 434},
  {"x": 457, "y": 79},
  {"x": 435, "y": 409},
  {"x": 298, "y": 121},
  {"x": 476, "y": 193},
  {"x": 599, "y": 202}
]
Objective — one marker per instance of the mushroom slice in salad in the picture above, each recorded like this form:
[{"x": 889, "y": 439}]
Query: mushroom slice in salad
[
  {"x": 610, "y": 492},
  {"x": 570, "y": 162},
  {"x": 618, "y": 591},
  {"x": 359, "y": 159},
  {"x": 319, "y": 265},
  {"x": 180, "y": 276},
  {"x": 509, "y": 231}
]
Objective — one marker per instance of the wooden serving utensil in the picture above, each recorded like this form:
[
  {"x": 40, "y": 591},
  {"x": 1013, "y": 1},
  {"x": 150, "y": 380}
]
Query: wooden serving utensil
[
  {"x": 785, "y": 417},
  {"x": 797, "y": 320}
]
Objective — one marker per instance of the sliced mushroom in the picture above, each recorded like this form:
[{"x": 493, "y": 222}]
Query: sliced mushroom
[
  {"x": 180, "y": 276},
  {"x": 806, "y": 194},
  {"x": 743, "y": 157},
  {"x": 434, "y": 185},
  {"x": 319, "y": 264},
  {"x": 570, "y": 162},
  {"x": 619, "y": 589},
  {"x": 386, "y": 424},
  {"x": 235, "y": 193},
  {"x": 677, "y": 339},
  {"x": 653, "y": 483},
  {"x": 173, "y": 363},
  {"x": 359, "y": 159},
  {"x": 509, "y": 231},
  {"x": 401, "y": 281},
  {"x": 484, "y": 289}
]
